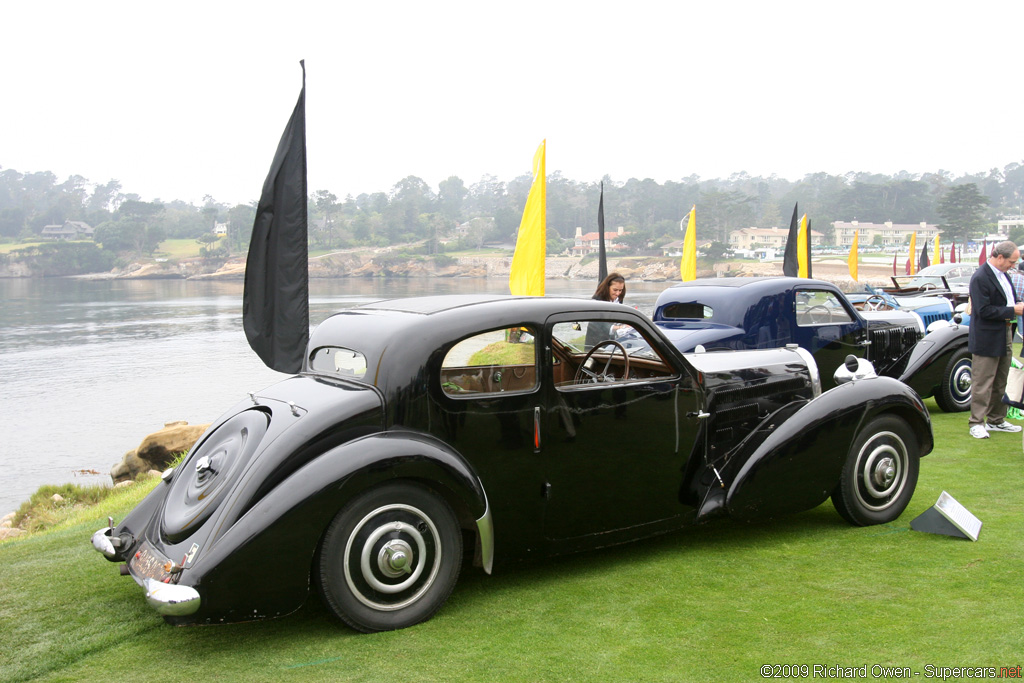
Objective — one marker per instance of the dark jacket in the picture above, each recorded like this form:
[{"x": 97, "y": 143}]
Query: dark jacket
[{"x": 990, "y": 313}]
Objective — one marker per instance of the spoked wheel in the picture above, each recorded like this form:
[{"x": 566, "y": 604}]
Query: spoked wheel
[
  {"x": 390, "y": 558},
  {"x": 880, "y": 473},
  {"x": 954, "y": 395}
]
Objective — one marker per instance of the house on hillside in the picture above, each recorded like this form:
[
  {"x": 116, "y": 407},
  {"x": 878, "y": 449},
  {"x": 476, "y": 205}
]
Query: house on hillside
[
  {"x": 70, "y": 230},
  {"x": 675, "y": 249},
  {"x": 590, "y": 243}
]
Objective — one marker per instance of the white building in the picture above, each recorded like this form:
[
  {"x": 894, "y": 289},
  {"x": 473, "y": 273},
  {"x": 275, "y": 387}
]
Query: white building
[
  {"x": 892, "y": 234},
  {"x": 776, "y": 238}
]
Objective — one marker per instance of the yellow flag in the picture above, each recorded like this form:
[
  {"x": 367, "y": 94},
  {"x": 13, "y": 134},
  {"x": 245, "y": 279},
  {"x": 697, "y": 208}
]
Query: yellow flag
[
  {"x": 852, "y": 260},
  {"x": 913, "y": 253},
  {"x": 802, "y": 254},
  {"x": 936, "y": 252},
  {"x": 527, "y": 274},
  {"x": 688, "y": 265}
]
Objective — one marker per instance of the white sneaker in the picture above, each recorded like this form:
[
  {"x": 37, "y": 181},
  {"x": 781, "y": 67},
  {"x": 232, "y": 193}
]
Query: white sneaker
[
  {"x": 1003, "y": 426},
  {"x": 979, "y": 432}
]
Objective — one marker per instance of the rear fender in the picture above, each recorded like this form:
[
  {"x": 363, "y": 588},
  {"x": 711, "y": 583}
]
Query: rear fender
[
  {"x": 797, "y": 466},
  {"x": 281, "y": 533}
]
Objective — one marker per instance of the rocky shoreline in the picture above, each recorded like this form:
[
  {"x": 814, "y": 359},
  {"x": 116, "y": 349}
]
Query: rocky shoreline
[
  {"x": 150, "y": 458},
  {"x": 384, "y": 263}
]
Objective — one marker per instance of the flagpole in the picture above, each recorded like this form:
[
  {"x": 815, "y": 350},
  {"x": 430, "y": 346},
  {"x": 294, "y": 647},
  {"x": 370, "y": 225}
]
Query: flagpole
[{"x": 602, "y": 265}]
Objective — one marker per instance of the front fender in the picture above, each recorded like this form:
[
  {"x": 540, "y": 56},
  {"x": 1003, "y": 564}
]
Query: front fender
[
  {"x": 927, "y": 364},
  {"x": 797, "y": 466},
  {"x": 279, "y": 536}
]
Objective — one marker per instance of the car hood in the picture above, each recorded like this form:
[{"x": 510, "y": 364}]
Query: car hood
[{"x": 878, "y": 319}]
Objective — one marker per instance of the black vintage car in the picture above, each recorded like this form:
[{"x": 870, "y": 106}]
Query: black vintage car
[
  {"x": 425, "y": 431},
  {"x": 766, "y": 312}
]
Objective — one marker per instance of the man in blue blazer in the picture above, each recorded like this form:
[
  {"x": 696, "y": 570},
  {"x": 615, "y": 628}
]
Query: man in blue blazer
[{"x": 994, "y": 307}]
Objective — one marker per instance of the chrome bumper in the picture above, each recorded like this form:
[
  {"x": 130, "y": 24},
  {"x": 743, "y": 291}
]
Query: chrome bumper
[
  {"x": 171, "y": 599},
  {"x": 168, "y": 599},
  {"x": 102, "y": 543}
]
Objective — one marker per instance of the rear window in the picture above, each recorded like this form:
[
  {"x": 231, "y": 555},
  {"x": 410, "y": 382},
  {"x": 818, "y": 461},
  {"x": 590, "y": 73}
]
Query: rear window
[
  {"x": 689, "y": 311},
  {"x": 337, "y": 360}
]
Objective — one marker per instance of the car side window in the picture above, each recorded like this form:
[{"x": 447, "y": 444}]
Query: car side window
[
  {"x": 819, "y": 307},
  {"x": 599, "y": 352},
  {"x": 491, "y": 362}
]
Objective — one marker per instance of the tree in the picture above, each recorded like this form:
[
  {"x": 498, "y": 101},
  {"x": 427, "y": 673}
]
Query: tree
[
  {"x": 451, "y": 193},
  {"x": 962, "y": 209},
  {"x": 326, "y": 204},
  {"x": 136, "y": 228}
]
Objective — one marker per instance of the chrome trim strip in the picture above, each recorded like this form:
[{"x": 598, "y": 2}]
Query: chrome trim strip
[
  {"x": 170, "y": 599},
  {"x": 485, "y": 528},
  {"x": 812, "y": 368}
]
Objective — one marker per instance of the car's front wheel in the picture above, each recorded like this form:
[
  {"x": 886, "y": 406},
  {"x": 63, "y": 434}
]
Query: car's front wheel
[
  {"x": 955, "y": 393},
  {"x": 880, "y": 473},
  {"x": 390, "y": 558}
]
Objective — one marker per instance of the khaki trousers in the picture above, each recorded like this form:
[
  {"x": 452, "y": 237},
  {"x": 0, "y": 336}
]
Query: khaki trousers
[{"x": 988, "y": 384}]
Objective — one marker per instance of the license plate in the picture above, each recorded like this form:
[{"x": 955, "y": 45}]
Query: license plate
[{"x": 147, "y": 563}]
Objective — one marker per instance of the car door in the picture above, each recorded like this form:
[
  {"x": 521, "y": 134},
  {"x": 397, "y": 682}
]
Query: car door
[
  {"x": 827, "y": 327},
  {"x": 487, "y": 402},
  {"x": 613, "y": 444}
]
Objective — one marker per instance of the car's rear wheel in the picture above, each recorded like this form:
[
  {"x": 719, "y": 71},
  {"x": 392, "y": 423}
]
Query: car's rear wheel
[
  {"x": 390, "y": 558},
  {"x": 880, "y": 473},
  {"x": 955, "y": 393}
]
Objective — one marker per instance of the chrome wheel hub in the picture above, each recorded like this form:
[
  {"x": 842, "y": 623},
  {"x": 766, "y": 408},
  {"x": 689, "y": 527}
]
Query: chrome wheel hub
[
  {"x": 395, "y": 558},
  {"x": 392, "y": 557},
  {"x": 882, "y": 466},
  {"x": 885, "y": 473}
]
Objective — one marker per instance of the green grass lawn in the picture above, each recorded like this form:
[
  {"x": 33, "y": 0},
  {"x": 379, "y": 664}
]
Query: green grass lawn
[
  {"x": 180, "y": 248},
  {"x": 13, "y": 246},
  {"x": 712, "y": 603}
]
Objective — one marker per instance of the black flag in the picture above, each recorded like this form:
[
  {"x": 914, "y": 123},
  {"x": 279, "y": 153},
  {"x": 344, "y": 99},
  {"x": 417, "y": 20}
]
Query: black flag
[
  {"x": 275, "y": 304},
  {"x": 602, "y": 258},
  {"x": 790, "y": 264},
  {"x": 809, "y": 240},
  {"x": 924, "y": 258}
]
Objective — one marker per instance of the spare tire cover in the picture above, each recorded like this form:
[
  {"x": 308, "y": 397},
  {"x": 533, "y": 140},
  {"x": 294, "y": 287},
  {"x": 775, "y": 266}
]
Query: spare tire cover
[{"x": 209, "y": 473}]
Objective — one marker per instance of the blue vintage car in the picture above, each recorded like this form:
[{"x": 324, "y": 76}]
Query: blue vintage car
[
  {"x": 424, "y": 431},
  {"x": 929, "y": 354}
]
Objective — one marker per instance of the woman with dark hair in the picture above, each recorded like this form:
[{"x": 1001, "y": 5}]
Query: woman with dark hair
[{"x": 612, "y": 288}]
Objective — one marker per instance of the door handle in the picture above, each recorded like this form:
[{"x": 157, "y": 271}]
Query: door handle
[{"x": 536, "y": 429}]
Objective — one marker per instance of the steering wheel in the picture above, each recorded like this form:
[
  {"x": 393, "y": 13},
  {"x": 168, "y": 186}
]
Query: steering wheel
[
  {"x": 818, "y": 314},
  {"x": 874, "y": 302},
  {"x": 602, "y": 376},
  {"x": 928, "y": 286}
]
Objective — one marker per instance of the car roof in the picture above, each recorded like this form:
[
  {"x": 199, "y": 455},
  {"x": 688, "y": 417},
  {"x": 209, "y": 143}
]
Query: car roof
[
  {"x": 408, "y": 331},
  {"x": 753, "y": 286},
  {"x": 731, "y": 297}
]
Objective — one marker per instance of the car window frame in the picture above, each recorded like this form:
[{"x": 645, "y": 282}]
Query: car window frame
[
  {"x": 676, "y": 372},
  {"x": 438, "y": 382}
]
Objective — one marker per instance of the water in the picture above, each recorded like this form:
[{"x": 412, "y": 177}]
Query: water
[{"x": 88, "y": 368}]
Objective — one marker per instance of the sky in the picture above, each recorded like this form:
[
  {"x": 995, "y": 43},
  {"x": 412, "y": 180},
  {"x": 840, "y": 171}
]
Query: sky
[{"x": 187, "y": 99}]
